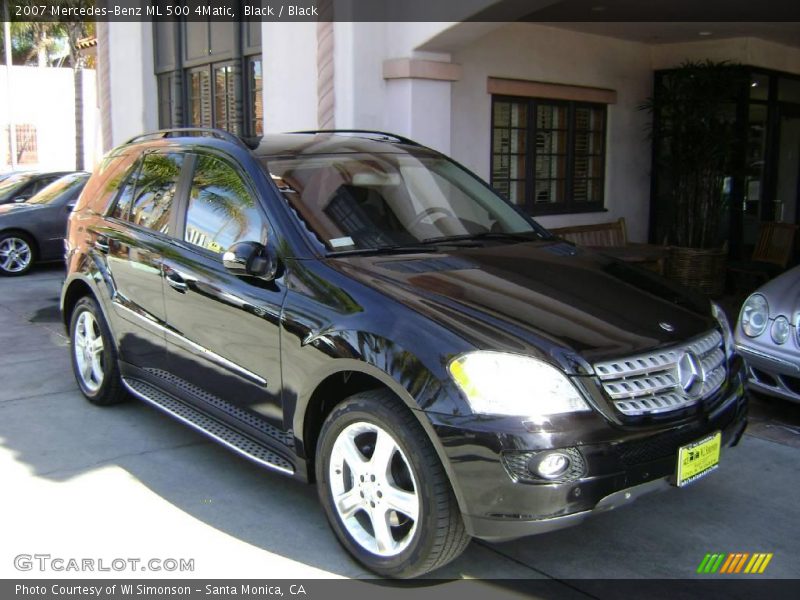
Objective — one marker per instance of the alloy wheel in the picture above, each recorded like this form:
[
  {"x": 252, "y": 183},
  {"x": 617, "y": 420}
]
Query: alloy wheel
[
  {"x": 15, "y": 255},
  {"x": 88, "y": 349},
  {"x": 374, "y": 489}
]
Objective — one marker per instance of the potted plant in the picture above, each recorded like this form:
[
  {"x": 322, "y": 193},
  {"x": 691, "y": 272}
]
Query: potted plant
[{"x": 695, "y": 135}]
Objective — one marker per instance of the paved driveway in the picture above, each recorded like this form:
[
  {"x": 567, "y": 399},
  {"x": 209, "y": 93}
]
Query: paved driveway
[{"x": 128, "y": 482}]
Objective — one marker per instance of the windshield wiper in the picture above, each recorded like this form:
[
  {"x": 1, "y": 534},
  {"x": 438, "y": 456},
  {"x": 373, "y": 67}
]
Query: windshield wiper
[
  {"x": 397, "y": 249},
  {"x": 487, "y": 235}
]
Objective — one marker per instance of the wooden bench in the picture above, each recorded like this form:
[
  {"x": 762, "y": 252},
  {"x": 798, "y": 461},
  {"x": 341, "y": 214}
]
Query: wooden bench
[
  {"x": 597, "y": 235},
  {"x": 612, "y": 239}
]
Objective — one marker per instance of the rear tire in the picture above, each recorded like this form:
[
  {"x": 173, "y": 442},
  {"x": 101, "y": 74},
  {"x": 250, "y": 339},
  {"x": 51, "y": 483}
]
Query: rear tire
[
  {"x": 17, "y": 254},
  {"x": 94, "y": 356},
  {"x": 384, "y": 491}
]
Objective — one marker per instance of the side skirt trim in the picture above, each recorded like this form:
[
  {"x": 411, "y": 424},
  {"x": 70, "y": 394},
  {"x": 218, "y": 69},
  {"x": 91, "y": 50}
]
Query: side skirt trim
[{"x": 208, "y": 426}]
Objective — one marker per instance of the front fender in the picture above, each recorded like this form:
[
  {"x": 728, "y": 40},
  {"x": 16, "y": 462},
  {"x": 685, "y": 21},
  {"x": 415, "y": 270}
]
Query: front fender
[{"x": 419, "y": 385}]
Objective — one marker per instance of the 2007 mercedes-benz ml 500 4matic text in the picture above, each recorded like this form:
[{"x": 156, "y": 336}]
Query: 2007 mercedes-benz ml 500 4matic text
[{"x": 356, "y": 310}]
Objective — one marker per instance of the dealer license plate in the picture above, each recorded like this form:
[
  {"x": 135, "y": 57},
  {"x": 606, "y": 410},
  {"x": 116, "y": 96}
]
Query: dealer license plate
[{"x": 698, "y": 459}]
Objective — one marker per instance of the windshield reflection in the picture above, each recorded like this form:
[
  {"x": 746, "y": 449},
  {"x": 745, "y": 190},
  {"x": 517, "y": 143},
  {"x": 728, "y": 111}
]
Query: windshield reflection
[{"x": 362, "y": 201}]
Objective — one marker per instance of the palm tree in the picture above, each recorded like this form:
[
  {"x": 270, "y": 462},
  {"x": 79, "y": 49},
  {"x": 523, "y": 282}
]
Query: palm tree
[
  {"x": 76, "y": 31},
  {"x": 34, "y": 37}
]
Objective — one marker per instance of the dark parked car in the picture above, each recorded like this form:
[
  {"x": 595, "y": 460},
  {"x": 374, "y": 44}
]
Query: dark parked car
[
  {"x": 21, "y": 186},
  {"x": 357, "y": 310},
  {"x": 768, "y": 337},
  {"x": 34, "y": 230},
  {"x": 7, "y": 174}
]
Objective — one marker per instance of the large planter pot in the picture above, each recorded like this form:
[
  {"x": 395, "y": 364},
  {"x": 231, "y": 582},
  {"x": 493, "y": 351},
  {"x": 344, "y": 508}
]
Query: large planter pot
[{"x": 701, "y": 270}]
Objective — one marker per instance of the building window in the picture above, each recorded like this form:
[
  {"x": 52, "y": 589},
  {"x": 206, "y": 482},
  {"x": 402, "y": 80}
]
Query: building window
[
  {"x": 225, "y": 99},
  {"x": 27, "y": 145},
  {"x": 200, "y": 97},
  {"x": 255, "y": 96},
  {"x": 209, "y": 74},
  {"x": 549, "y": 156}
]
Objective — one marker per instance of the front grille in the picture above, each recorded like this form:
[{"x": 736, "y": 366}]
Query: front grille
[
  {"x": 648, "y": 384},
  {"x": 664, "y": 445}
]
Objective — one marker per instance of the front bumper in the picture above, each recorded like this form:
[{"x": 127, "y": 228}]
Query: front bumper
[
  {"x": 620, "y": 463},
  {"x": 770, "y": 374}
]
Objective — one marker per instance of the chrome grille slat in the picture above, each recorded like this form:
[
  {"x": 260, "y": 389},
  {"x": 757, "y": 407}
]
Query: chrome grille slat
[
  {"x": 648, "y": 383},
  {"x": 636, "y": 386},
  {"x": 636, "y": 365}
]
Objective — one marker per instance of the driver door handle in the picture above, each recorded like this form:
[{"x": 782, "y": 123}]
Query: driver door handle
[
  {"x": 176, "y": 281},
  {"x": 102, "y": 243}
]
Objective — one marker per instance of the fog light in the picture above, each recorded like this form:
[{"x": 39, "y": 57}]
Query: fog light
[
  {"x": 780, "y": 330},
  {"x": 551, "y": 466}
]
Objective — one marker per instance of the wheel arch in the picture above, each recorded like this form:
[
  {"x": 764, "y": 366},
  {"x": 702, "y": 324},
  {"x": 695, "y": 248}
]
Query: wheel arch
[
  {"x": 343, "y": 379},
  {"x": 74, "y": 289}
]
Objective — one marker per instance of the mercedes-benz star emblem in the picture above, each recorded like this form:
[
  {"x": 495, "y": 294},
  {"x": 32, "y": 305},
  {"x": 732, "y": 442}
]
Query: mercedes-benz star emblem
[
  {"x": 691, "y": 376},
  {"x": 667, "y": 326}
]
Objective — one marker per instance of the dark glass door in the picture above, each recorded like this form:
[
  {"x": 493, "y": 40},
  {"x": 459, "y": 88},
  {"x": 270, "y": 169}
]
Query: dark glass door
[{"x": 787, "y": 179}]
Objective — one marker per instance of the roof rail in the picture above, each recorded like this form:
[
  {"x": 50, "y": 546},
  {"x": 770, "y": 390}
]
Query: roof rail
[
  {"x": 220, "y": 134},
  {"x": 381, "y": 134}
]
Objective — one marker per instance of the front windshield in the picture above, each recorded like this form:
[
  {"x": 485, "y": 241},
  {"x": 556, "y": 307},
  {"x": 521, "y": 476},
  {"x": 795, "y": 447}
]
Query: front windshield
[
  {"x": 67, "y": 188},
  {"x": 353, "y": 202},
  {"x": 12, "y": 183}
]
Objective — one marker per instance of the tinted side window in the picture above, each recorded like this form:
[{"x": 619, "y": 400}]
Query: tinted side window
[
  {"x": 221, "y": 210},
  {"x": 41, "y": 184},
  {"x": 123, "y": 206},
  {"x": 155, "y": 187}
]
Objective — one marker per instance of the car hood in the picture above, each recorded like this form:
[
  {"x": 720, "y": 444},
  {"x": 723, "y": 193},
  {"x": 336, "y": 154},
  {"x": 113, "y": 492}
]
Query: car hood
[
  {"x": 544, "y": 297},
  {"x": 783, "y": 294}
]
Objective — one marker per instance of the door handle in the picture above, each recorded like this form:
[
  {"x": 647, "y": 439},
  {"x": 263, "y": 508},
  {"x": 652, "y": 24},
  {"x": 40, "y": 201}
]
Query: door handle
[
  {"x": 175, "y": 281},
  {"x": 102, "y": 243}
]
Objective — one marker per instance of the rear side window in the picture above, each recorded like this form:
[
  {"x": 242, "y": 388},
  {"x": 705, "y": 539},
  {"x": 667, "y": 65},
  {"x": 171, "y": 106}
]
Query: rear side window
[
  {"x": 147, "y": 197},
  {"x": 103, "y": 185},
  {"x": 221, "y": 209},
  {"x": 123, "y": 206}
]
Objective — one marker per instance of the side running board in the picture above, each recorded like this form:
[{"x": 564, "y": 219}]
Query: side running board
[{"x": 206, "y": 425}]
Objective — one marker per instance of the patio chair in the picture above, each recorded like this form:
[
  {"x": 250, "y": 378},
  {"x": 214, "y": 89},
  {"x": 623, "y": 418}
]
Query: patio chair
[{"x": 772, "y": 253}]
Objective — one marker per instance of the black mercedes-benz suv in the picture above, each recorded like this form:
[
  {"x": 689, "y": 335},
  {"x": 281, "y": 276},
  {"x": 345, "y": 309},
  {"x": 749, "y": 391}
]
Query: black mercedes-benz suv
[{"x": 353, "y": 309}]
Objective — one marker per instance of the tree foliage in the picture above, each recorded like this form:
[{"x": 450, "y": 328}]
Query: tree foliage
[{"x": 694, "y": 126}]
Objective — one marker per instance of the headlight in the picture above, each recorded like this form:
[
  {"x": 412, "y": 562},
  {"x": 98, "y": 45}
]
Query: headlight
[
  {"x": 508, "y": 384},
  {"x": 722, "y": 319},
  {"x": 755, "y": 315},
  {"x": 781, "y": 330}
]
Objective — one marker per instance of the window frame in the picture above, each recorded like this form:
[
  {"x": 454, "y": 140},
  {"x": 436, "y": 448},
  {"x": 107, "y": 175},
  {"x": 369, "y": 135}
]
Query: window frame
[{"x": 569, "y": 205}]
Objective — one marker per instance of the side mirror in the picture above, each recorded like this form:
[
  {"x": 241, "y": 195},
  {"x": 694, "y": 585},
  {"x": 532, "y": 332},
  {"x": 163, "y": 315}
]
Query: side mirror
[
  {"x": 20, "y": 199},
  {"x": 70, "y": 206},
  {"x": 251, "y": 259}
]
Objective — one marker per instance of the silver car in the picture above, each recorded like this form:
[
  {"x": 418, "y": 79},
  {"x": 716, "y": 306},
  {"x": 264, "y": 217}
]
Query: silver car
[{"x": 768, "y": 337}]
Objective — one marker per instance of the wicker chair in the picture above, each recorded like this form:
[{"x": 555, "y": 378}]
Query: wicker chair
[{"x": 772, "y": 253}]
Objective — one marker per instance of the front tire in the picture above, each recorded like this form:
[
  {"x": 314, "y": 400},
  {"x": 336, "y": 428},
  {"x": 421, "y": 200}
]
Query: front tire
[
  {"x": 94, "y": 357},
  {"x": 17, "y": 254},
  {"x": 384, "y": 491}
]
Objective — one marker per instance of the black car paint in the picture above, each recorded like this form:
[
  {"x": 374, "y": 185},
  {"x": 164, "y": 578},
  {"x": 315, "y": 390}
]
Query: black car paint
[{"x": 265, "y": 355}]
